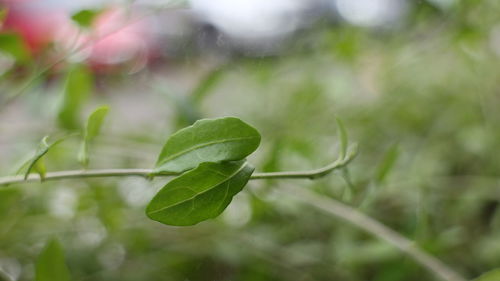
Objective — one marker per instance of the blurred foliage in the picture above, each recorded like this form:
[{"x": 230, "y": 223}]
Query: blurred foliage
[{"x": 421, "y": 99}]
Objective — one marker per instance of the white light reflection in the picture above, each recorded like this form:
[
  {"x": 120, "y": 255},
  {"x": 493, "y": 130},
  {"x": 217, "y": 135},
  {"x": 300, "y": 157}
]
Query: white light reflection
[
  {"x": 251, "y": 18},
  {"x": 371, "y": 13},
  {"x": 10, "y": 268},
  {"x": 136, "y": 191},
  {"x": 90, "y": 231},
  {"x": 112, "y": 256},
  {"x": 62, "y": 203},
  {"x": 495, "y": 40}
]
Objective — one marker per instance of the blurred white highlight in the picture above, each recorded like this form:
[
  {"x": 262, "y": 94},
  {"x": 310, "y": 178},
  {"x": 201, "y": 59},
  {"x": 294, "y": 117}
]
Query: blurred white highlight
[{"x": 371, "y": 13}]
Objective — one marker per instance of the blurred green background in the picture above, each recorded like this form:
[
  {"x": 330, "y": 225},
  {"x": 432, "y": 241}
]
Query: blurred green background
[{"x": 419, "y": 93}]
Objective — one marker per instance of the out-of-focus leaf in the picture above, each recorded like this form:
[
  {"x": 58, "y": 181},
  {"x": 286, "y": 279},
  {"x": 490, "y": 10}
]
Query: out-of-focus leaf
[
  {"x": 84, "y": 18},
  {"x": 50, "y": 265},
  {"x": 493, "y": 275},
  {"x": 79, "y": 84},
  {"x": 92, "y": 129},
  {"x": 9, "y": 199},
  {"x": 3, "y": 14},
  {"x": 207, "y": 84},
  {"x": 343, "y": 137},
  {"x": 387, "y": 164},
  {"x": 4, "y": 276},
  {"x": 272, "y": 161},
  {"x": 186, "y": 111},
  {"x": 199, "y": 194},
  {"x": 12, "y": 43},
  {"x": 208, "y": 140}
]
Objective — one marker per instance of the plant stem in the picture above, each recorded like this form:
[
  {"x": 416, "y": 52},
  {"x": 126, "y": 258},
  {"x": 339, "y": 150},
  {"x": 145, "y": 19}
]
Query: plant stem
[
  {"x": 148, "y": 173},
  {"x": 312, "y": 174},
  {"x": 370, "y": 225}
]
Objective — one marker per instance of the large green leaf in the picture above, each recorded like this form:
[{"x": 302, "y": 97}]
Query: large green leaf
[
  {"x": 208, "y": 140},
  {"x": 493, "y": 275},
  {"x": 92, "y": 129},
  {"x": 50, "y": 265},
  {"x": 199, "y": 194}
]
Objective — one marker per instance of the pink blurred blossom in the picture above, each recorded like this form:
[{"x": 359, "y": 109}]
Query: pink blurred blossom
[
  {"x": 118, "y": 37},
  {"x": 36, "y": 28}
]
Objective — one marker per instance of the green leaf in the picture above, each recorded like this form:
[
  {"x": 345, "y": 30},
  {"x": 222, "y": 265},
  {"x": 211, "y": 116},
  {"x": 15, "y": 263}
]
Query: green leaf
[
  {"x": 84, "y": 18},
  {"x": 493, "y": 275},
  {"x": 94, "y": 122},
  {"x": 387, "y": 163},
  {"x": 343, "y": 137},
  {"x": 50, "y": 265},
  {"x": 208, "y": 140},
  {"x": 92, "y": 129},
  {"x": 12, "y": 44},
  {"x": 79, "y": 85},
  {"x": 40, "y": 168},
  {"x": 199, "y": 194},
  {"x": 36, "y": 162}
]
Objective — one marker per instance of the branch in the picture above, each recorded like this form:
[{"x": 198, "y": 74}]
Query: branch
[
  {"x": 370, "y": 225},
  {"x": 148, "y": 173}
]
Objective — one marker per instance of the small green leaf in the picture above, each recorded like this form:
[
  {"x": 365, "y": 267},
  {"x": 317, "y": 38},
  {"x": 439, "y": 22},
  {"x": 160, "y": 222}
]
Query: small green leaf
[
  {"x": 40, "y": 168},
  {"x": 92, "y": 129},
  {"x": 78, "y": 86},
  {"x": 50, "y": 265},
  {"x": 343, "y": 137},
  {"x": 493, "y": 275},
  {"x": 208, "y": 140},
  {"x": 36, "y": 162},
  {"x": 84, "y": 18},
  {"x": 42, "y": 149},
  {"x": 199, "y": 194},
  {"x": 94, "y": 122},
  {"x": 387, "y": 163}
]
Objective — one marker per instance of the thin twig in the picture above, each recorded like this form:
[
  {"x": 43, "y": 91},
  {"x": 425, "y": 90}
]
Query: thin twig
[
  {"x": 148, "y": 173},
  {"x": 312, "y": 174},
  {"x": 370, "y": 225}
]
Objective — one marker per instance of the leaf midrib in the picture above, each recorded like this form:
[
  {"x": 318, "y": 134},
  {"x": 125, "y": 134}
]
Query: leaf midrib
[
  {"x": 201, "y": 193},
  {"x": 180, "y": 153}
]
